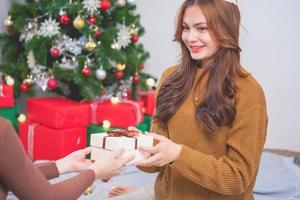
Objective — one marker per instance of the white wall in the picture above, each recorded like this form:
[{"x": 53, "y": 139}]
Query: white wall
[{"x": 270, "y": 51}]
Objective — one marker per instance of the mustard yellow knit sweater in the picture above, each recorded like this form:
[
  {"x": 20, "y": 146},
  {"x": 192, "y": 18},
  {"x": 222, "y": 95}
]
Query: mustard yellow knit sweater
[{"x": 221, "y": 166}]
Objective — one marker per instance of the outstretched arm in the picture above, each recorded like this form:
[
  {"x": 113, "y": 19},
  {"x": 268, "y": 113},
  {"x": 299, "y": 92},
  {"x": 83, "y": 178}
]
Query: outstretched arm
[{"x": 19, "y": 174}]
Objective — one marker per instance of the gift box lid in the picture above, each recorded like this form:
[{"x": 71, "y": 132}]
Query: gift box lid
[
  {"x": 58, "y": 112},
  {"x": 122, "y": 114},
  {"x": 105, "y": 141}
]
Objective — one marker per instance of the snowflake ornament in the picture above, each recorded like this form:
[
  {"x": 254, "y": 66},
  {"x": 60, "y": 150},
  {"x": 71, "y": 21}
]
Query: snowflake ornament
[
  {"x": 49, "y": 28},
  {"x": 91, "y": 6},
  {"x": 123, "y": 38},
  {"x": 41, "y": 81},
  {"x": 68, "y": 63},
  {"x": 70, "y": 45},
  {"x": 29, "y": 32}
]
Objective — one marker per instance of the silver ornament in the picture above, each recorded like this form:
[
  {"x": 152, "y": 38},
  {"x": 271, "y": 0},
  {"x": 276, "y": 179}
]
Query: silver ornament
[
  {"x": 121, "y": 2},
  {"x": 100, "y": 74}
]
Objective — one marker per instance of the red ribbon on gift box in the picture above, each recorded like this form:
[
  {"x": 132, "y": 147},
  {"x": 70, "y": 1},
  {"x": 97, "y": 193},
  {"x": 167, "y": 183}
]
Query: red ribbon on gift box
[
  {"x": 30, "y": 139},
  {"x": 121, "y": 132}
]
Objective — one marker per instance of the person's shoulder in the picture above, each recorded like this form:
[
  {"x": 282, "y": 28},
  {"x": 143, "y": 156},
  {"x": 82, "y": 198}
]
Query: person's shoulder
[
  {"x": 249, "y": 91},
  {"x": 166, "y": 73}
]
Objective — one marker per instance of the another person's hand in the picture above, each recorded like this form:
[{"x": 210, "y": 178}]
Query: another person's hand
[
  {"x": 74, "y": 162},
  {"x": 132, "y": 128},
  {"x": 112, "y": 166},
  {"x": 162, "y": 153}
]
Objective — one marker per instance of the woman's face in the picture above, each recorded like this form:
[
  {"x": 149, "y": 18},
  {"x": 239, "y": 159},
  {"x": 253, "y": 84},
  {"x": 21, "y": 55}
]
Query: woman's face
[{"x": 196, "y": 36}]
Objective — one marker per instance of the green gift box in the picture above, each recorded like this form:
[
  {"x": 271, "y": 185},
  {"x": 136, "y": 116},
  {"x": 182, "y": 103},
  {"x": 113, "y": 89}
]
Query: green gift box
[
  {"x": 11, "y": 114},
  {"x": 148, "y": 121}
]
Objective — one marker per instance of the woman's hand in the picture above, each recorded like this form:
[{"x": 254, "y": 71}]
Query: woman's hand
[
  {"x": 111, "y": 166},
  {"x": 163, "y": 153},
  {"x": 74, "y": 162}
]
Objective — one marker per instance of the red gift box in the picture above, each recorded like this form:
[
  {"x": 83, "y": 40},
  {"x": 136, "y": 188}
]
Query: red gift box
[
  {"x": 44, "y": 143},
  {"x": 122, "y": 114},
  {"x": 149, "y": 102},
  {"x": 6, "y": 95},
  {"x": 58, "y": 112}
]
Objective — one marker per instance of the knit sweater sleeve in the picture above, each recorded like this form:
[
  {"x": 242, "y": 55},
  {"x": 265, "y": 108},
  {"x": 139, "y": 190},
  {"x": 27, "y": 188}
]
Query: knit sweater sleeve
[
  {"x": 156, "y": 127},
  {"x": 233, "y": 172},
  {"x": 19, "y": 174}
]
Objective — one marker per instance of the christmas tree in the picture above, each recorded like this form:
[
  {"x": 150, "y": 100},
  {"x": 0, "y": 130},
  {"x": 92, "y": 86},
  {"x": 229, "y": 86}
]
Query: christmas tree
[{"x": 80, "y": 49}]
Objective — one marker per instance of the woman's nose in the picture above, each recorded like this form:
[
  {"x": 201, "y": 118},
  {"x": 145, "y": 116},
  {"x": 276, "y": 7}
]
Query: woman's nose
[{"x": 192, "y": 36}]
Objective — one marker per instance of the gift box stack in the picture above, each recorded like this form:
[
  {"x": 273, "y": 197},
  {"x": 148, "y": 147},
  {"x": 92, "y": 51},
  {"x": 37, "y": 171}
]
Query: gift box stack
[
  {"x": 8, "y": 110},
  {"x": 148, "y": 98},
  {"x": 119, "y": 114},
  {"x": 55, "y": 127}
]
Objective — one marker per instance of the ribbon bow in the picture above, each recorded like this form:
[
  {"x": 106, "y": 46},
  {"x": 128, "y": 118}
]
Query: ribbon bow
[{"x": 122, "y": 132}]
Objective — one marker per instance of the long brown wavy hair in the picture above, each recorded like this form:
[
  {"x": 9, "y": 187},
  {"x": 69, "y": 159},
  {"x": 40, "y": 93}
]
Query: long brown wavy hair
[{"x": 217, "y": 108}]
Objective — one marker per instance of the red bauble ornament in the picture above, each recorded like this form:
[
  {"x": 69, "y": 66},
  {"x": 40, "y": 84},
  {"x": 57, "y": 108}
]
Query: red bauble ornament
[
  {"x": 105, "y": 5},
  {"x": 119, "y": 74},
  {"x": 9, "y": 29},
  {"x": 134, "y": 38},
  {"x": 86, "y": 71},
  {"x": 98, "y": 32},
  {"x": 52, "y": 83},
  {"x": 136, "y": 78},
  {"x": 92, "y": 19},
  {"x": 65, "y": 19},
  {"x": 24, "y": 87},
  {"x": 55, "y": 52},
  {"x": 142, "y": 66}
]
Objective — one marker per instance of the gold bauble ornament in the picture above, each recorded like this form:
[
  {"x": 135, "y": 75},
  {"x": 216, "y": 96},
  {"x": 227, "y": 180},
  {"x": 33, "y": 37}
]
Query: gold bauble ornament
[
  {"x": 90, "y": 45},
  {"x": 28, "y": 81},
  {"x": 8, "y": 21},
  {"x": 10, "y": 81},
  {"x": 121, "y": 67},
  {"x": 133, "y": 30},
  {"x": 78, "y": 22}
]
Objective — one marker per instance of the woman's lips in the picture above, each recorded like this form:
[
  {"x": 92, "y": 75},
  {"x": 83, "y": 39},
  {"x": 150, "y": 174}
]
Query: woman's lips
[{"x": 196, "y": 49}]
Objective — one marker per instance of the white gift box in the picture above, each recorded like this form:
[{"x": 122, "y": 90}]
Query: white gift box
[{"x": 102, "y": 141}]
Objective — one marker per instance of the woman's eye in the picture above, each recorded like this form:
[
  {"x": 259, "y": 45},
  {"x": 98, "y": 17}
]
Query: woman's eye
[
  {"x": 185, "y": 28},
  {"x": 202, "y": 29}
]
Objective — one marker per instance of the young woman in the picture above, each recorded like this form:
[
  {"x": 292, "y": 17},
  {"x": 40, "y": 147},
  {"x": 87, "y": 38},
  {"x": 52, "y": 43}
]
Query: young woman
[
  {"x": 26, "y": 181},
  {"x": 211, "y": 118}
]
